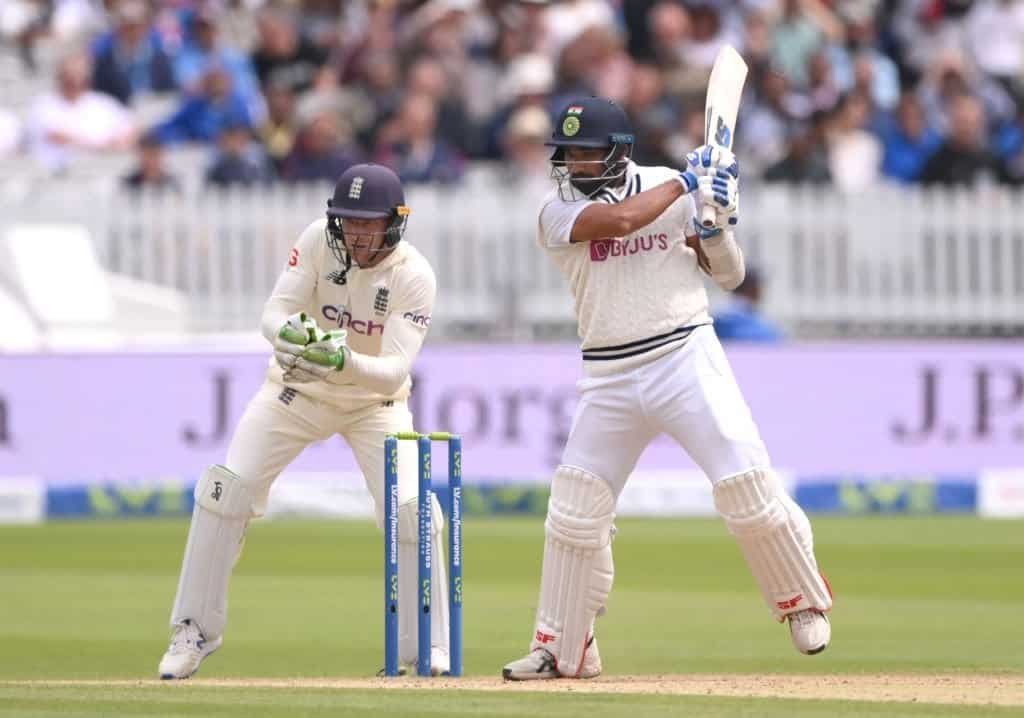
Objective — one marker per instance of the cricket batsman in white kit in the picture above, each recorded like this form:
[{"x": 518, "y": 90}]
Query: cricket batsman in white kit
[
  {"x": 347, "y": 318},
  {"x": 628, "y": 241}
]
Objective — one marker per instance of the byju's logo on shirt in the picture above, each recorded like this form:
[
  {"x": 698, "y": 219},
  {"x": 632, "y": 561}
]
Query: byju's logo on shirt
[
  {"x": 602, "y": 249},
  {"x": 344, "y": 320}
]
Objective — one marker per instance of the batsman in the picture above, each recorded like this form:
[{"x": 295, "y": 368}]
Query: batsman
[
  {"x": 346, "y": 319},
  {"x": 628, "y": 241}
]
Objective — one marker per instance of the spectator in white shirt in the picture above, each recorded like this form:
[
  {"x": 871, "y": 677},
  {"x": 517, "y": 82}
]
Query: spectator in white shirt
[{"x": 73, "y": 119}]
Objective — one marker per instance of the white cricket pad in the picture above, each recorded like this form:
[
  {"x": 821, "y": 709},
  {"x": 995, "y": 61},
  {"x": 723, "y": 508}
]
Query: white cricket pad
[
  {"x": 222, "y": 511},
  {"x": 578, "y": 569},
  {"x": 408, "y": 582},
  {"x": 775, "y": 536}
]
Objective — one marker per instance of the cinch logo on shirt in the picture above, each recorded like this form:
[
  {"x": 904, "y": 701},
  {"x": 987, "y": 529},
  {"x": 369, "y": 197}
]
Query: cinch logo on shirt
[
  {"x": 343, "y": 318},
  {"x": 421, "y": 319},
  {"x": 601, "y": 249}
]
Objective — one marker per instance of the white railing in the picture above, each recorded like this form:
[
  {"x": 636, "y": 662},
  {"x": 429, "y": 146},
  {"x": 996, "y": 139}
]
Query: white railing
[{"x": 894, "y": 260}]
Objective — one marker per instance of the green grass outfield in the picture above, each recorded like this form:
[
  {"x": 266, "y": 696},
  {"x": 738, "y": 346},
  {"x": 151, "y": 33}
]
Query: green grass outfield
[{"x": 89, "y": 601}]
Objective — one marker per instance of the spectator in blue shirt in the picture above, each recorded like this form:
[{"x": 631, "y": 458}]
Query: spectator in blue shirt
[
  {"x": 412, "y": 145},
  {"x": 132, "y": 60},
  {"x": 203, "y": 48},
  {"x": 322, "y": 151},
  {"x": 202, "y": 117},
  {"x": 908, "y": 141},
  {"x": 239, "y": 160},
  {"x": 740, "y": 319}
]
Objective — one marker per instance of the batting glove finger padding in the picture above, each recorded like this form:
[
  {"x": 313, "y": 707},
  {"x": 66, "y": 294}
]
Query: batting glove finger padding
[
  {"x": 710, "y": 159},
  {"x": 720, "y": 191}
]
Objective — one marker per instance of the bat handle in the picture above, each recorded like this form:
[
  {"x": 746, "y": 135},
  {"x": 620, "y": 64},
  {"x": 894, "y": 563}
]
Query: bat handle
[{"x": 707, "y": 216}]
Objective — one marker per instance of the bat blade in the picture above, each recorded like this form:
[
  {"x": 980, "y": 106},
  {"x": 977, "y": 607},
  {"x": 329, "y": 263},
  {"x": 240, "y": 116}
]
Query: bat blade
[{"x": 725, "y": 87}]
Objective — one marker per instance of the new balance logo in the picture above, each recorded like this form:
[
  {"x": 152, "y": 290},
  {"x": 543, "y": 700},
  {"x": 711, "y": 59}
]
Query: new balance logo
[
  {"x": 287, "y": 395},
  {"x": 355, "y": 190},
  {"x": 380, "y": 302},
  {"x": 790, "y": 603},
  {"x": 338, "y": 276}
]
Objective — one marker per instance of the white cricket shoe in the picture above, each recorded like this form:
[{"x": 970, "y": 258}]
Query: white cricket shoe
[
  {"x": 187, "y": 650},
  {"x": 541, "y": 664},
  {"x": 440, "y": 665},
  {"x": 811, "y": 631},
  {"x": 440, "y": 662}
]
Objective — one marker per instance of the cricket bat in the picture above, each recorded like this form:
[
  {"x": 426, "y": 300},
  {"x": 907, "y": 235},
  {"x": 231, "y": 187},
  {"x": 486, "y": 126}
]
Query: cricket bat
[{"x": 723, "y": 102}]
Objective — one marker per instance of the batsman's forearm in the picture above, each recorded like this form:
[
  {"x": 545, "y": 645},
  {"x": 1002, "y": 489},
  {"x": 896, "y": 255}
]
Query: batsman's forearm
[
  {"x": 602, "y": 221},
  {"x": 725, "y": 260}
]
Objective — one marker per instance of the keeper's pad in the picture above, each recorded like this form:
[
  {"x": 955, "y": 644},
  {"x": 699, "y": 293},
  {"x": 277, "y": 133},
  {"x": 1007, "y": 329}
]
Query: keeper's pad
[
  {"x": 222, "y": 511},
  {"x": 408, "y": 580},
  {"x": 775, "y": 536},
  {"x": 578, "y": 568}
]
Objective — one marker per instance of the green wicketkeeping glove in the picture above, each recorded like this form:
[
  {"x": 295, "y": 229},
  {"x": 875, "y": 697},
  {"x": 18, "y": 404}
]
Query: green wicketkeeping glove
[
  {"x": 301, "y": 329},
  {"x": 328, "y": 352}
]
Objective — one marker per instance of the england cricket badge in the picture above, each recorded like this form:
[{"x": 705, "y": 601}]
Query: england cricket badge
[{"x": 380, "y": 302}]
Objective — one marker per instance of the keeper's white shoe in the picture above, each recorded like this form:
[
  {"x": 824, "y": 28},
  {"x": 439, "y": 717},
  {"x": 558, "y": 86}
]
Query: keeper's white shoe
[
  {"x": 187, "y": 650},
  {"x": 540, "y": 664},
  {"x": 440, "y": 664},
  {"x": 811, "y": 631}
]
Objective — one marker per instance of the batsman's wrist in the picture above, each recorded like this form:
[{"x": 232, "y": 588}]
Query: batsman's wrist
[{"x": 688, "y": 180}]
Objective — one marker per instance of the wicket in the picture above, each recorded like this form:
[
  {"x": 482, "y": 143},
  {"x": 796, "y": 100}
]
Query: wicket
[{"x": 425, "y": 552}]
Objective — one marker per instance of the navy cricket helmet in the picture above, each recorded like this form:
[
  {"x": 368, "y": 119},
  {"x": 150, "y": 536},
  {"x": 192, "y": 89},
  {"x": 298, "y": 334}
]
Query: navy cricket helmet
[
  {"x": 366, "y": 191},
  {"x": 592, "y": 122}
]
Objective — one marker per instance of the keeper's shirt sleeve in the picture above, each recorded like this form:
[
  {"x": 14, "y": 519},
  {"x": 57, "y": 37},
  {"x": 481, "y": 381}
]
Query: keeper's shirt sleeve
[{"x": 404, "y": 332}]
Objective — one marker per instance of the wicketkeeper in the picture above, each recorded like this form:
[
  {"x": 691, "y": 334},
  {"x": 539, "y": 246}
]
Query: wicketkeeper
[{"x": 346, "y": 319}]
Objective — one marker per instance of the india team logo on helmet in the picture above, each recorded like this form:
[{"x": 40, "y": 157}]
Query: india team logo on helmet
[{"x": 571, "y": 124}]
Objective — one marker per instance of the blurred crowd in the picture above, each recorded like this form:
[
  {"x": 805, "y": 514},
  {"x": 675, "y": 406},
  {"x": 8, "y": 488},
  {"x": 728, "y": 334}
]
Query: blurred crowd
[{"x": 847, "y": 92}]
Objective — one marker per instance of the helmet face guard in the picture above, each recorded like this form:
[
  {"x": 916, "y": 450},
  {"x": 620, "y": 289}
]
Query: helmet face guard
[
  {"x": 613, "y": 166},
  {"x": 339, "y": 244}
]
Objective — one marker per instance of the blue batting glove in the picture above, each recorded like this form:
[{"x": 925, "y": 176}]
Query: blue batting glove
[
  {"x": 689, "y": 181},
  {"x": 708, "y": 159}
]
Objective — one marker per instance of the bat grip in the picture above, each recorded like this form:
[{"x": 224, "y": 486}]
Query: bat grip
[{"x": 707, "y": 216}]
